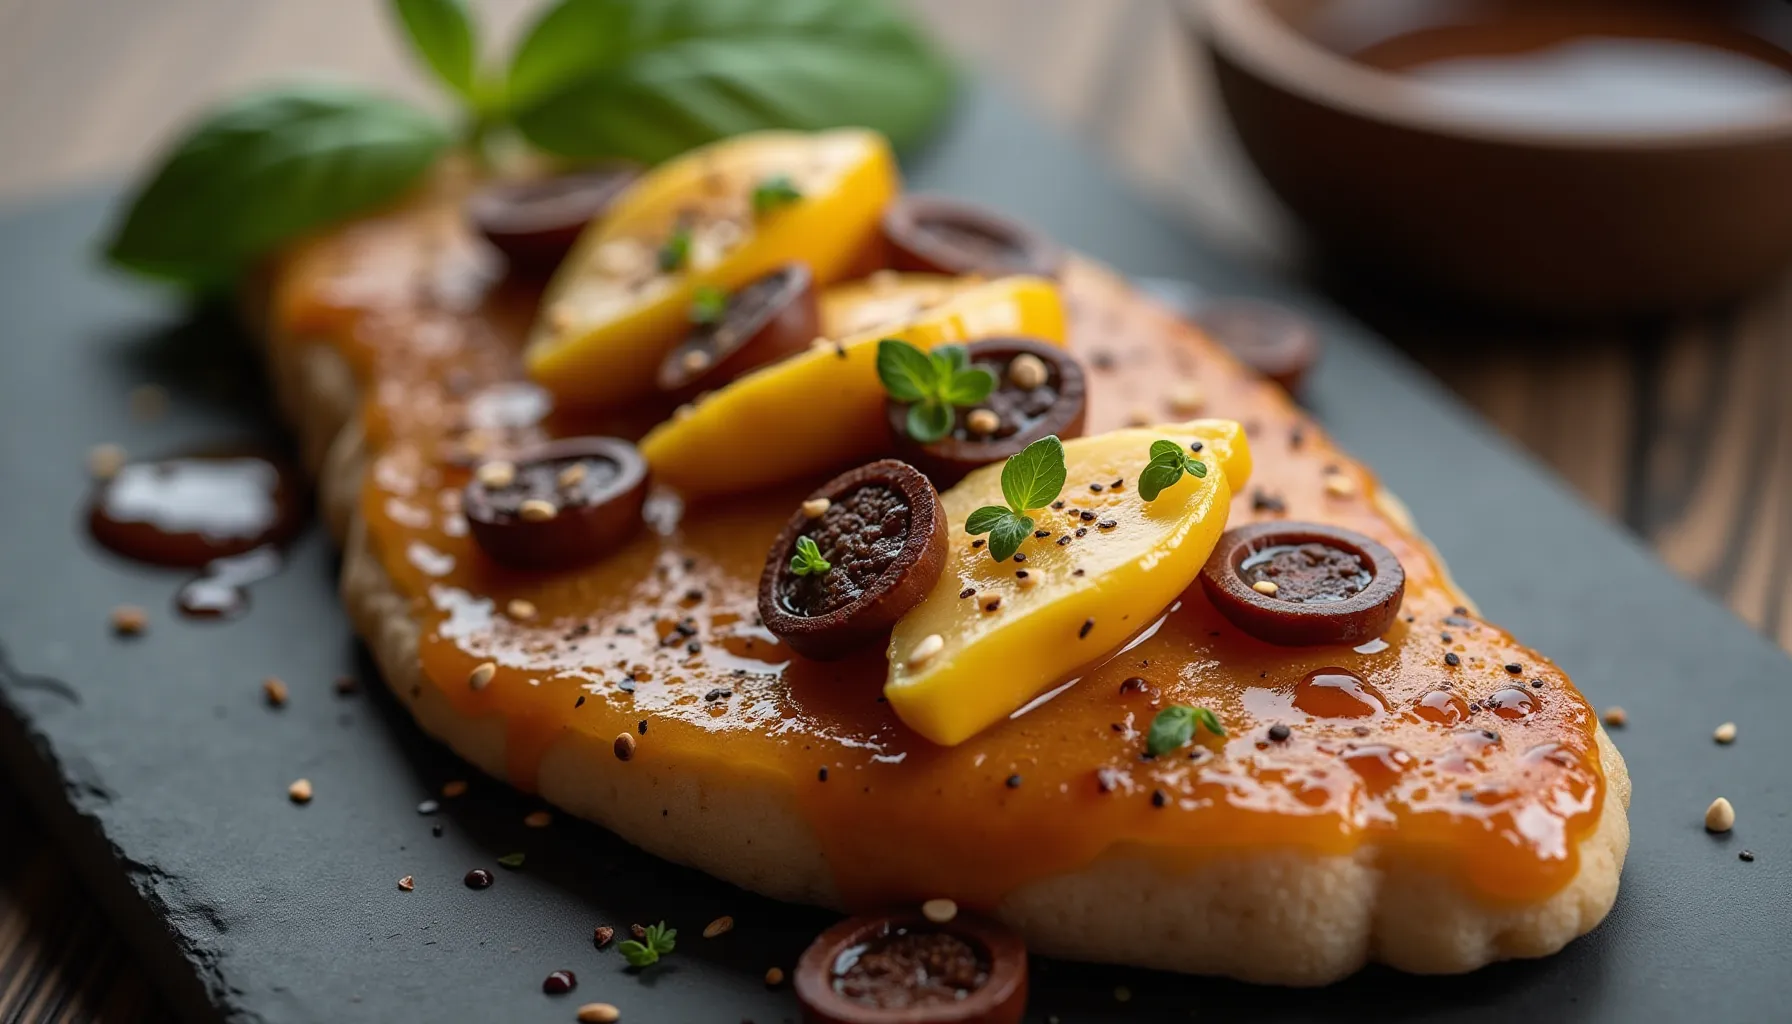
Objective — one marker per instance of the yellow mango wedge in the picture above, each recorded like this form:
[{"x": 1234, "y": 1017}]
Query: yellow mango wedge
[
  {"x": 852, "y": 308},
  {"x": 824, "y": 409},
  {"x": 611, "y": 312},
  {"x": 993, "y": 662}
]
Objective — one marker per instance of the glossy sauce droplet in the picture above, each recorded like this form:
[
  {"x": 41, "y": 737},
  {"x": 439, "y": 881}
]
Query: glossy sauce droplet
[
  {"x": 188, "y": 511},
  {"x": 1442, "y": 707},
  {"x": 1379, "y": 765},
  {"x": 221, "y": 590},
  {"x": 1512, "y": 703},
  {"x": 1336, "y": 693}
]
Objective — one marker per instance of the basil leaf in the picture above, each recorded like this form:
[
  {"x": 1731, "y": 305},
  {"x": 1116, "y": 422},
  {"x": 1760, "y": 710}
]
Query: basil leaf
[
  {"x": 905, "y": 370},
  {"x": 266, "y": 168},
  {"x": 929, "y": 420},
  {"x": 985, "y": 519},
  {"x": 637, "y": 954},
  {"x": 774, "y": 192},
  {"x": 512, "y": 860},
  {"x": 1210, "y": 721},
  {"x": 650, "y": 80},
  {"x": 951, "y": 358},
  {"x": 1005, "y": 539},
  {"x": 1033, "y": 478},
  {"x": 1165, "y": 449},
  {"x": 1173, "y": 726},
  {"x": 1159, "y": 476},
  {"x": 1196, "y": 467},
  {"x": 442, "y": 31},
  {"x": 968, "y": 387}
]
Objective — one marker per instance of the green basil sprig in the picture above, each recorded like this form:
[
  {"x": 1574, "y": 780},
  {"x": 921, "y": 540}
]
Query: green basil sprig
[
  {"x": 643, "y": 79},
  {"x": 935, "y": 384},
  {"x": 1031, "y": 479}
]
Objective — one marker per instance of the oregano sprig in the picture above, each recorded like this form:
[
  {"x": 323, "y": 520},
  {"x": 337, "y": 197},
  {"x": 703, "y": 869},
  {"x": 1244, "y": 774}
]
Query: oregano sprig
[
  {"x": 1175, "y": 726},
  {"x": 657, "y": 941},
  {"x": 1031, "y": 478},
  {"x": 807, "y": 560},
  {"x": 1169, "y": 461},
  {"x": 708, "y": 305},
  {"x": 774, "y": 192},
  {"x": 935, "y": 384}
]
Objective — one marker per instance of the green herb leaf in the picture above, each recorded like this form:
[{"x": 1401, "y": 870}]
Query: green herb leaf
[
  {"x": 675, "y": 251},
  {"x": 708, "y": 304},
  {"x": 905, "y": 370},
  {"x": 650, "y": 80},
  {"x": 638, "y": 954},
  {"x": 1033, "y": 477},
  {"x": 970, "y": 386},
  {"x": 1164, "y": 449},
  {"x": 1006, "y": 537},
  {"x": 774, "y": 192},
  {"x": 265, "y": 168},
  {"x": 985, "y": 519},
  {"x": 442, "y": 31},
  {"x": 947, "y": 360},
  {"x": 661, "y": 939},
  {"x": 1159, "y": 476},
  {"x": 1196, "y": 467},
  {"x": 1175, "y": 726},
  {"x": 512, "y": 860},
  {"x": 807, "y": 560},
  {"x": 929, "y": 420}
]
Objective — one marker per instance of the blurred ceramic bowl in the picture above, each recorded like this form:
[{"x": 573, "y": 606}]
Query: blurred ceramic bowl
[{"x": 1427, "y": 141}]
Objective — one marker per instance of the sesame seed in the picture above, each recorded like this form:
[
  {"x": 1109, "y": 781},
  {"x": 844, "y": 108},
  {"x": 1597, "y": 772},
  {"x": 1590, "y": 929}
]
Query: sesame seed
[
  {"x": 967, "y": 592},
  {"x": 496, "y": 475},
  {"x": 930, "y": 645},
  {"x": 457, "y": 787},
  {"x": 774, "y": 976},
  {"x": 1107, "y": 524},
  {"x": 1746, "y": 856},
  {"x": 939, "y": 911},
  {"x": 1013, "y": 782},
  {"x": 274, "y": 692},
  {"x": 537, "y": 510},
  {"x": 1339, "y": 486},
  {"x": 1451, "y": 659},
  {"x": 992, "y": 604},
  {"x": 815, "y": 508},
  {"x": 1279, "y": 732},
  {"x": 300, "y": 791},
  {"x": 977, "y": 543},
  {"x": 599, "y": 1013},
  {"x": 1026, "y": 579},
  {"x": 104, "y": 461},
  {"x": 520, "y": 610},
  {"x": 982, "y": 421},
  {"x": 481, "y": 676},
  {"x": 129, "y": 620},
  {"x": 1042, "y": 534},
  {"x": 695, "y": 360},
  {"x": 1096, "y": 488},
  {"x": 1515, "y": 668},
  {"x": 570, "y": 477},
  {"x": 1083, "y": 633},
  {"x": 1027, "y": 371},
  {"x": 1720, "y": 816},
  {"x": 1064, "y": 540},
  {"x": 624, "y": 746},
  {"x": 720, "y": 926},
  {"x": 1267, "y": 587},
  {"x": 684, "y": 412},
  {"x": 1726, "y": 733},
  {"x": 822, "y": 775},
  {"x": 538, "y": 819},
  {"x": 1159, "y": 798},
  {"x": 1615, "y": 717}
]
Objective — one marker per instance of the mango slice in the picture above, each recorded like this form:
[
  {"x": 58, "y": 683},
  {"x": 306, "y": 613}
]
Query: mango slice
[
  {"x": 613, "y": 310},
  {"x": 824, "y": 409},
  {"x": 1046, "y": 625},
  {"x": 852, "y": 308}
]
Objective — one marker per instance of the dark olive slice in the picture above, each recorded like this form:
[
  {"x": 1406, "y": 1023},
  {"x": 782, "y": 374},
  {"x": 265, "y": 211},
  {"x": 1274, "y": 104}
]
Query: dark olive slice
[
  {"x": 882, "y": 533},
  {"x": 935, "y": 235},
  {"x": 557, "y": 505},
  {"x": 1278, "y": 343},
  {"x": 1299, "y": 584},
  {"x": 534, "y": 223},
  {"x": 1035, "y": 396},
  {"x": 772, "y": 317},
  {"x": 905, "y": 969}
]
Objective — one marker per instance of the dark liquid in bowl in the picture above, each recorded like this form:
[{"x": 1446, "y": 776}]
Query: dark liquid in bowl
[{"x": 1592, "y": 69}]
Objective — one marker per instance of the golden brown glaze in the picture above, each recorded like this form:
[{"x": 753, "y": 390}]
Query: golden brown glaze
[{"x": 1466, "y": 766}]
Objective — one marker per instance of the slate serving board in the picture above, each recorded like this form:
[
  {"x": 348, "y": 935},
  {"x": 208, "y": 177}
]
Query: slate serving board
[{"x": 165, "y": 775}]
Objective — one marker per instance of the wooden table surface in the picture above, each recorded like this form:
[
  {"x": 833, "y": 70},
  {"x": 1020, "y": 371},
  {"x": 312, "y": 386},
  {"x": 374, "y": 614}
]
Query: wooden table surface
[{"x": 1681, "y": 429}]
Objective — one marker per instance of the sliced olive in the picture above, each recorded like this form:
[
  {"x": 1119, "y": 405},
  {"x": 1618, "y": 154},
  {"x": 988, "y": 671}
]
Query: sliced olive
[
  {"x": 772, "y": 317},
  {"x": 935, "y": 235},
  {"x": 535, "y": 223},
  {"x": 1300, "y": 584},
  {"x": 1278, "y": 343},
  {"x": 1039, "y": 390},
  {"x": 558, "y": 505},
  {"x": 879, "y": 545},
  {"x": 904, "y": 969}
]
